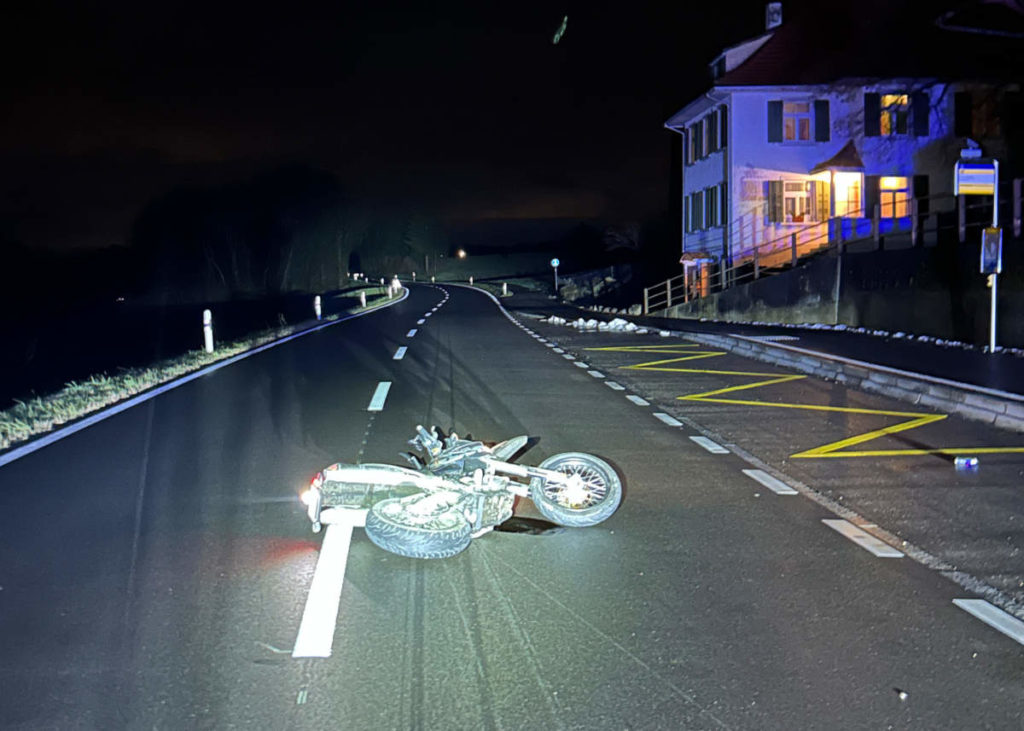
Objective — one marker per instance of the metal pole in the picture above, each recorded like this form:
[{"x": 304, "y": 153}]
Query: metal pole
[
  {"x": 995, "y": 277},
  {"x": 556, "y": 279}
]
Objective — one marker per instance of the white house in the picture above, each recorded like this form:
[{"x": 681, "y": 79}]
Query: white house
[{"x": 826, "y": 121}]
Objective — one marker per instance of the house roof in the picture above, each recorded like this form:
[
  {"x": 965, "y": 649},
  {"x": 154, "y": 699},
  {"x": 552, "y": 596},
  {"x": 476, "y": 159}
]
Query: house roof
[
  {"x": 885, "y": 39},
  {"x": 846, "y": 159}
]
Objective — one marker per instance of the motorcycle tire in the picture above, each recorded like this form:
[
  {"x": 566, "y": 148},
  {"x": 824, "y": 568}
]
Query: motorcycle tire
[
  {"x": 592, "y": 500},
  {"x": 393, "y": 530}
]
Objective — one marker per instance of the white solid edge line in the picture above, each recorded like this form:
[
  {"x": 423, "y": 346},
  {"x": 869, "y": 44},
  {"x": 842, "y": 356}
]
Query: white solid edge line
[
  {"x": 614, "y": 386},
  {"x": 637, "y": 400},
  {"x": 55, "y": 436},
  {"x": 775, "y": 485},
  {"x": 863, "y": 539},
  {"x": 665, "y": 418},
  {"x": 400, "y": 353},
  {"x": 380, "y": 395},
  {"x": 320, "y": 617},
  {"x": 710, "y": 445},
  {"x": 994, "y": 617}
]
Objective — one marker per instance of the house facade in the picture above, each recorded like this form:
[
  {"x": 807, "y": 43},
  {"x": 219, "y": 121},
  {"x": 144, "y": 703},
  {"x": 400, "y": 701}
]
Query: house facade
[{"x": 794, "y": 146}]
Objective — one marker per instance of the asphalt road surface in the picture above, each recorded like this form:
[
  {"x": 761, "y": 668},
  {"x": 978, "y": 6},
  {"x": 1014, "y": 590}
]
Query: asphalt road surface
[{"x": 155, "y": 568}]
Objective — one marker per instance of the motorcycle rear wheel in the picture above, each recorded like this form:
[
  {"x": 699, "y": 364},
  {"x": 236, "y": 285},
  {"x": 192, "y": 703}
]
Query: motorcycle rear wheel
[
  {"x": 392, "y": 528},
  {"x": 593, "y": 495}
]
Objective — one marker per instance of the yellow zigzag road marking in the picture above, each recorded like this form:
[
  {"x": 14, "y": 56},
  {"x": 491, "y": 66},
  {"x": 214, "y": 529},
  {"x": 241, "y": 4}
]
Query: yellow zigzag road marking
[{"x": 914, "y": 419}]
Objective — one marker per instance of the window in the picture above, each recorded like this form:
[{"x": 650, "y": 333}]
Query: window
[
  {"x": 711, "y": 207},
  {"x": 697, "y": 141},
  {"x": 696, "y": 209},
  {"x": 711, "y": 125},
  {"x": 895, "y": 109},
  {"x": 796, "y": 121},
  {"x": 894, "y": 196},
  {"x": 799, "y": 121},
  {"x": 797, "y": 201}
]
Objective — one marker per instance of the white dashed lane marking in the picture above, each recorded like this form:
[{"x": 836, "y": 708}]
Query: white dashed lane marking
[
  {"x": 411, "y": 333},
  {"x": 614, "y": 386},
  {"x": 665, "y": 418},
  {"x": 777, "y": 486},
  {"x": 379, "y": 396},
  {"x": 637, "y": 400},
  {"x": 863, "y": 539},
  {"x": 596, "y": 374},
  {"x": 581, "y": 364},
  {"x": 713, "y": 447},
  {"x": 994, "y": 617},
  {"x": 400, "y": 353},
  {"x": 316, "y": 631},
  {"x": 420, "y": 321}
]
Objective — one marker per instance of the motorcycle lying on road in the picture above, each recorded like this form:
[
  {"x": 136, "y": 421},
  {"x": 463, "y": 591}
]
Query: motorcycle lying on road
[{"x": 458, "y": 489}]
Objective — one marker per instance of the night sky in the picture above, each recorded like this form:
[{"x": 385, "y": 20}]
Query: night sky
[{"x": 466, "y": 111}]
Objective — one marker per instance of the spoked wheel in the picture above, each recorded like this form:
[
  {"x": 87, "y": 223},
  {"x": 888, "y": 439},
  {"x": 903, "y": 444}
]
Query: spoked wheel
[
  {"x": 591, "y": 493},
  {"x": 402, "y": 527}
]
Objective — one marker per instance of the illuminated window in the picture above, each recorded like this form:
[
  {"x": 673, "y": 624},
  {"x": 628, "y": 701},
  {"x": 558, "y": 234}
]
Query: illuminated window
[
  {"x": 847, "y": 193},
  {"x": 796, "y": 201},
  {"x": 895, "y": 109},
  {"x": 894, "y": 196},
  {"x": 796, "y": 121}
]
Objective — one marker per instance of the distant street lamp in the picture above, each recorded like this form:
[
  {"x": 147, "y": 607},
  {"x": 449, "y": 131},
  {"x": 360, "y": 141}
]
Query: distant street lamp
[{"x": 461, "y": 253}]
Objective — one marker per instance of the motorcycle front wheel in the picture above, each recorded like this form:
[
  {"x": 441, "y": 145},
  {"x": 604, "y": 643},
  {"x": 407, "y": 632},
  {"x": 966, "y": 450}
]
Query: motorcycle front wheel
[
  {"x": 593, "y": 491},
  {"x": 390, "y": 525}
]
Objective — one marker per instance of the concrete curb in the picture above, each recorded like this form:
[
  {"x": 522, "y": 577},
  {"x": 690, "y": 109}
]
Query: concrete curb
[{"x": 997, "y": 408}]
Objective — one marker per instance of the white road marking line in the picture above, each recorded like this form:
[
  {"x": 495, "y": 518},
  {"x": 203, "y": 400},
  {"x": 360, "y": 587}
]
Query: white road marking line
[
  {"x": 596, "y": 374},
  {"x": 671, "y": 421},
  {"x": 302, "y": 697},
  {"x": 400, "y": 353},
  {"x": 568, "y": 357},
  {"x": 614, "y": 386},
  {"x": 581, "y": 364},
  {"x": 411, "y": 333},
  {"x": 777, "y": 486},
  {"x": 542, "y": 340},
  {"x": 420, "y": 321},
  {"x": 316, "y": 631},
  {"x": 711, "y": 446},
  {"x": 637, "y": 400},
  {"x": 994, "y": 617},
  {"x": 863, "y": 539},
  {"x": 559, "y": 350},
  {"x": 379, "y": 396},
  {"x": 550, "y": 345}
]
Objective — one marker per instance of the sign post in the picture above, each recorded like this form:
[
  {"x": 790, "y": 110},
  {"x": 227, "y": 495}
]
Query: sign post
[
  {"x": 554, "y": 265},
  {"x": 973, "y": 175}
]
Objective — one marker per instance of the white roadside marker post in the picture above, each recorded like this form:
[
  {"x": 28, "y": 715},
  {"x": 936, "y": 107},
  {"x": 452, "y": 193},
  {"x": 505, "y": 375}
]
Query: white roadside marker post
[
  {"x": 316, "y": 306},
  {"x": 208, "y": 331},
  {"x": 362, "y": 298}
]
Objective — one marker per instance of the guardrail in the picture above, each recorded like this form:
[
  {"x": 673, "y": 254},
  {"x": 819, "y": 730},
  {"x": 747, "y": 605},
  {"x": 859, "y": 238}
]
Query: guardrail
[{"x": 925, "y": 217}]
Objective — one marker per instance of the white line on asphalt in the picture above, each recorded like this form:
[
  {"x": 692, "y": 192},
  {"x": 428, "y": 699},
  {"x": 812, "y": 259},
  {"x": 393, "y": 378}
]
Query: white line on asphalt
[
  {"x": 777, "y": 486},
  {"x": 711, "y": 446},
  {"x": 614, "y": 386},
  {"x": 863, "y": 539},
  {"x": 550, "y": 345},
  {"x": 637, "y": 400},
  {"x": 581, "y": 364},
  {"x": 568, "y": 357},
  {"x": 994, "y": 617},
  {"x": 667, "y": 419},
  {"x": 400, "y": 353},
  {"x": 542, "y": 340},
  {"x": 420, "y": 321},
  {"x": 596, "y": 374},
  {"x": 316, "y": 631},
  {"x": 302, "y": 697},
  {"x": 411, "y": 333},
  {"x": 379, "y": 396},
  {"x": 559, "y": 350}
]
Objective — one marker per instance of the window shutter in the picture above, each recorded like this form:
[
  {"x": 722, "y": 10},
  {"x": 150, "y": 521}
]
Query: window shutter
[
  {"x": 723, "y": 205},
  {"x": 962, "y": 114},
  {"x": 723, "y": 125},
  {"x": 686, "y": 148},
  {"x": 919, "y": 106},
  {"x": 709, "y": 220},
  {"x": 820, "y": 199},
  {"x": 921, "y": 193},
  {"x": 775, "y": 201},
  {"x": 872, "y": 115},
  {"x": 698, "y": 131},
  {"x": 822, "y": 123},
  {"x": 775, "y": 121},
  {"x": 686, "y": 214},
  {"x": 871, "y": 198},
  {"x": 712, "y": 126},
  {"x": 698, "y": 210}
]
